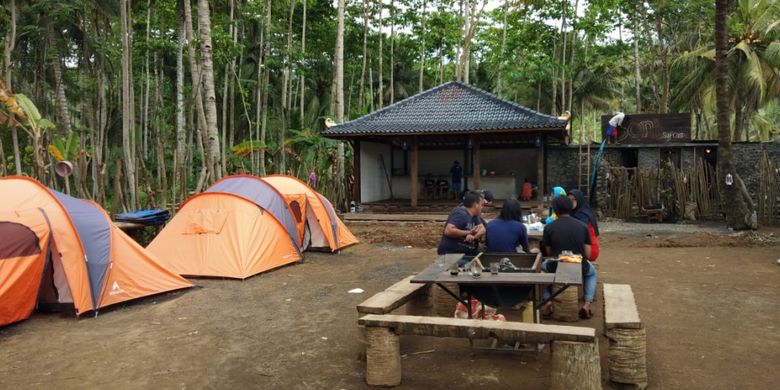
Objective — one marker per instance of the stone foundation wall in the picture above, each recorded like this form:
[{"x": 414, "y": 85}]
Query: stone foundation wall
[
  {"x": 746, "y": 159},
  {"x": 648, "y": 158},
  {"x": 562, "y": 167}
]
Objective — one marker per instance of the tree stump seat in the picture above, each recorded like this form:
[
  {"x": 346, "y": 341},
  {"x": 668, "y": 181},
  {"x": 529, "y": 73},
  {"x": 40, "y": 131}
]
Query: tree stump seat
[{"x": 627, "y": 358}]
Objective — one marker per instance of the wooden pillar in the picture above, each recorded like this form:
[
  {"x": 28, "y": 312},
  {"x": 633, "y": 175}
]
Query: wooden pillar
[
  {"x": 356, "y": 170},
  {"x": 383, "y": 357},
  {"x": 413, "y": 171},
  {"x": 475, "y": 171},
  {"x": 540, "y": 179},
  {"x": 575, "y": 366}
]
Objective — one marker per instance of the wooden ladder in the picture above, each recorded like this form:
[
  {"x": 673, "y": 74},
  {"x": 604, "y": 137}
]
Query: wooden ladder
[{"x": 584, "y": 162}]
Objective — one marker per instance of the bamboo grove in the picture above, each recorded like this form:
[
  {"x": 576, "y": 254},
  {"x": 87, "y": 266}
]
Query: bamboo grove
[{"x": 153, "y": 100}]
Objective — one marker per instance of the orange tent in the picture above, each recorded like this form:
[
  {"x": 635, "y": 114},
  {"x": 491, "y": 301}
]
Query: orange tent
[
  {"x": 94, "y": 265},
  {"x": 221, "y": 234},
  {"x": 22, "y": 257},
  {"x": 325, "y": 228},
  {"x": 243, "y": 225}
]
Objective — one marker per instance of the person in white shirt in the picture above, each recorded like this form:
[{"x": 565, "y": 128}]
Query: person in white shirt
[{"x": 612, "y": 128}]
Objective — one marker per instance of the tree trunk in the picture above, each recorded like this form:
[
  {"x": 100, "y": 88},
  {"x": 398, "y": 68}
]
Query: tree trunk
[
  {"x": 381, "y": 55},
  {"x": 663, "y": 102},
  {"x": 422, "y": 48},
  {"x": 303, "y": 67},
  {"x": 147, "y": 87},
  {"x": 622, "y": 89},
  {"x": 371, "y": 85},
  {"x": 564, "y": 6},
  {"x": 101, "y": 124},
  {"x": 554, "y": 106},
  {"x": 128, "y": 105},
  {"x": 197, "y": 82},
  {"x": 461, "y": 72},
  {"x": 361, "y": 92},
  {"x": 10, "y": 43},
  {"x": 162, "y": 170},
  {"x": 339, "y": 83},
  {"x": 653, "y": 76},
  {"x": 62, "y": 100},
  {"x": 181, "y": 135},
  {"x": 573, "y": 53},
  {"x": 212, "y": 149},
  {"x": 227, "y": 83},
  {"x": 737, "y": 214},
  {"x": 286, "y": 79},
  {"x": 638, "y": 74},
  {"x": 392, "y": 51},
  {"x": 266, "y": 86},
  {"x": 503, "y": 50},
  {"x": 258, "y": 99},
  {"x": 441, "y": 61}
]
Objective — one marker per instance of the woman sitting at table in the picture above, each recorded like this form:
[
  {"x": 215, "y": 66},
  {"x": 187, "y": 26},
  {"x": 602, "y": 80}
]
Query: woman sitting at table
[
  {"x": 583, "y": 213},
  {"x": 506, "y": 233}
]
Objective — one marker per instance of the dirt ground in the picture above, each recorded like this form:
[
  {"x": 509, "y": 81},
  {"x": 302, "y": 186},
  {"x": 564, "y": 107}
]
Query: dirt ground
[{"x": 710, "y": 300}]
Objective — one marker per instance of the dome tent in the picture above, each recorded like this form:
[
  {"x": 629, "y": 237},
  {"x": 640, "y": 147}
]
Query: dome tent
[
  {"x": 94, "y": 264},
  {"x": 243, "y": 225},
  {"x": 327, "y": 231}
]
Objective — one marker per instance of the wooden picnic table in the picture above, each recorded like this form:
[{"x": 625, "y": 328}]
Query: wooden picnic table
[{"x": 566, "y": 274}]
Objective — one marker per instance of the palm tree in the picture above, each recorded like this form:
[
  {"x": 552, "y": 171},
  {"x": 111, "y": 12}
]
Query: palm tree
[
  {"x": 753, "y": 57},
  {"x": 735, "y": 207}
]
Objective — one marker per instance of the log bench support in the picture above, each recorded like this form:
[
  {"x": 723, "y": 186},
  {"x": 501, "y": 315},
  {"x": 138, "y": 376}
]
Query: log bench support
[
  {"x": 576, "y": 363},
  {"x": 415, "y": 298},
  {"x": 627, "y": 359}
]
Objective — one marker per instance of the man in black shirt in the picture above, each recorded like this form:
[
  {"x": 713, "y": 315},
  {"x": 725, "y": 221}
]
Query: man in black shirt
[
  {"x": 464, "y": 228},
  {"x": 565, "y": 234},
  {"x": 569, "y": 234}
]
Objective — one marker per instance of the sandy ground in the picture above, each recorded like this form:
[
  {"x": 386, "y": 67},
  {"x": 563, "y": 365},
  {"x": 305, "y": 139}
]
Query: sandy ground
[{"x": 710, "y": 300}]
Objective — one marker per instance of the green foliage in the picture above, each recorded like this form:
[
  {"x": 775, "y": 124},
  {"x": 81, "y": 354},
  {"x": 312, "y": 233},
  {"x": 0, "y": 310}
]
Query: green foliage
[{"x": 84, "y": 41}]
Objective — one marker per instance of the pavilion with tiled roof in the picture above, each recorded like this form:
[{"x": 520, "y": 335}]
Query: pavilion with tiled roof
[{"x": 422, "y": 135}]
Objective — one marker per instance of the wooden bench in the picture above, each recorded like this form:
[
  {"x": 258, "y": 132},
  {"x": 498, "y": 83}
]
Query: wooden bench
[
  {"x": 627, "y": 359},
  {"x": 575, "y": 362},
  {"x": 395, "y": 296},
  {"x": 415, "y": 297}
]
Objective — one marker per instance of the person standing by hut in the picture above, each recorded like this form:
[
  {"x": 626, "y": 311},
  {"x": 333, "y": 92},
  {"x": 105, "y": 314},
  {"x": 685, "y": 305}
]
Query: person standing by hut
[{"x": 456, "y": 174}]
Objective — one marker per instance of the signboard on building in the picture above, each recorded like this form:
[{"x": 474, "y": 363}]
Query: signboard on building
[{"x": 652, "y": 128}]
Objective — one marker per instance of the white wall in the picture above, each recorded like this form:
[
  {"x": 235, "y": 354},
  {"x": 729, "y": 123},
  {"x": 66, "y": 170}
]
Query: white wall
[{"x": 373, "y": 182}]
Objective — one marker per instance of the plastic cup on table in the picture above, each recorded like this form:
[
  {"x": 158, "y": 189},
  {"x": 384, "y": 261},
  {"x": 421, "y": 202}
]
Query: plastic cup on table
[{"x": 494, "y": 268}]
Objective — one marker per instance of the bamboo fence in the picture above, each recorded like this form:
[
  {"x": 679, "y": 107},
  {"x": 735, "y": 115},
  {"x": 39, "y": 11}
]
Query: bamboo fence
[
  {"x": 632, "y": 190},
  {"x": 768, "y": 191}
]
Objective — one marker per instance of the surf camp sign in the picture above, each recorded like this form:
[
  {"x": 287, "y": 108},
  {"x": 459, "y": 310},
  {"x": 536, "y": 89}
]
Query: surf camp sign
[{"x": 652, "y": 128}]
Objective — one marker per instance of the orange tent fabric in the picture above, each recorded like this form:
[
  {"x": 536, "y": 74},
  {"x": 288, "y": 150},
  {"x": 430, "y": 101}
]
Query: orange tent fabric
[
  {"x": 23, "y": 248},
  {"x": 220, "y": 234},
  {"x": 100, "y": 269},
  {"x": 319, "y": 213}
]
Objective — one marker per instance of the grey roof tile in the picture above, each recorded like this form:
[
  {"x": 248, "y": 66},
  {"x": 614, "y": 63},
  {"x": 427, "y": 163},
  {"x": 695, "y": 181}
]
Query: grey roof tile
[{"x": 450, "y": 108}]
